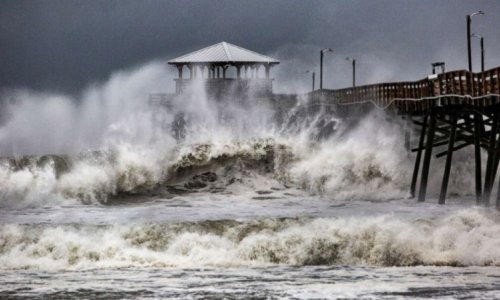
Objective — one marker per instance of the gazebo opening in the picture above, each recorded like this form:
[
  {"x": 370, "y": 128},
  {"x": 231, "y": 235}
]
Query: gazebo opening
[{"x": 225, "y": 66}]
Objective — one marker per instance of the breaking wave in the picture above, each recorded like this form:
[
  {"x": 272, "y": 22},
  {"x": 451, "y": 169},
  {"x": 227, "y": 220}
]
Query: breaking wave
[
  {"x": 351, "y": 166},
  {"x": 100, "y": 176},
  {"x": 223, "y": 144},
  {"x": 463, "y": 238}
]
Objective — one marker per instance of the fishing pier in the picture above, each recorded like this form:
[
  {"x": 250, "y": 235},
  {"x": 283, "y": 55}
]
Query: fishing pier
[{"x": 453, "y": 110}]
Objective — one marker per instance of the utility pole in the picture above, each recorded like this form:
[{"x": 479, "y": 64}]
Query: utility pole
[
  {"x": 313, "y": 78},
  {"x": 353, "y": 70},
  {"x": 469, "y": 50},
  {"x": 321, "y": 66},
  {"x": 482, "y": 54},
  {"x": 469, "y": 20},
  {"x": 481, "y": 42},
  {"x": 353, "y": 73}
]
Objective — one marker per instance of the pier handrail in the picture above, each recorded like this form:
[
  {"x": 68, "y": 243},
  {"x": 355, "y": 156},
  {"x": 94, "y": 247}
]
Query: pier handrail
[{"x": 453, "y": 83}]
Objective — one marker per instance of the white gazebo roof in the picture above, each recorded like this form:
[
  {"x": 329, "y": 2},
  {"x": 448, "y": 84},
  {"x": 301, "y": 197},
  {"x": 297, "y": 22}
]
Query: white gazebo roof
[{"x": 223, "y": 53}]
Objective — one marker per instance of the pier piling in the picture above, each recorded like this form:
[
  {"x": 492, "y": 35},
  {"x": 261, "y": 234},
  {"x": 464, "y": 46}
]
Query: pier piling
[
  {"x": 427, "y": 155},
  {"x": 419, "y": 155},
  {"x": 478, "y": 131},
  {"x": 447, "y": 167}
]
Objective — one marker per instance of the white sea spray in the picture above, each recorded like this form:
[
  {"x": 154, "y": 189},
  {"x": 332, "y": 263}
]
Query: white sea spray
[{"x": 463, "y": 238}]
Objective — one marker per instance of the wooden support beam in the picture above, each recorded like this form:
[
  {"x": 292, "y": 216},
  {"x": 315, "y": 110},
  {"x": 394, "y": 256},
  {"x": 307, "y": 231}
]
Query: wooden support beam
[
  {"x": 442, "y": 129},
  {"x": 462, "y": 126},
  {"x": 498, "y": 197},
  {"x": 417, "y": 159},
  {"x": 427, "y": 155},
  {"x": 456, "y": 148},
  {"x": 488, "y": 180},
  {"x": 447, "y": 167},
  {"x": 496, "y": 158},
  {"x": 468, "y": 130},
  {"x": 407, "y": 131},
  {"x": 478, "y": 132},
  {"x": 439, "y": 142}
]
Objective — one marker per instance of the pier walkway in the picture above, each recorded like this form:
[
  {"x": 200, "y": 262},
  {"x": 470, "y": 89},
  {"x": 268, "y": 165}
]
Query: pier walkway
[
  {"x": 417, "y": 97},
  {"x": 454, "y": 110}
]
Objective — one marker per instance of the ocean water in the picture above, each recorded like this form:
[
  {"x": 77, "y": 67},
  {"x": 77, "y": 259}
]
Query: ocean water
[{"x": 314, "y": 206}]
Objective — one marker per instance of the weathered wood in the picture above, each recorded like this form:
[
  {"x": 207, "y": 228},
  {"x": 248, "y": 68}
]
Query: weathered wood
[
  {"x": 461, "y": 101},
  {"x": 496, "y": 157},
  {"x": 417, "y": 159},
  {"x": 427, "y": 156},
  {"x": 438, "y": 142},
  {"x": 456, "y": 148},
  {"x": 454, "y": 84},
  {"x": 447, "y": 167},
  {"x": 478, "y": 132},
  {"x": 488, "y": 180}
]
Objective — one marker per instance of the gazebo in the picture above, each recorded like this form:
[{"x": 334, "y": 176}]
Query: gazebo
[{"x": 211, "y": 65}]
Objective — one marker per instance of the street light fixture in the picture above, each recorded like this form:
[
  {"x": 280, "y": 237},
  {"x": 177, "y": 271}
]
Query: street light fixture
[
  {"x": 353, "y": 70},
  {"x": 469, "y": 18},
  {"x": 321, "y": 66},
  {"x": 481, "y": 38},
  {"x": 313, "y": 78}
]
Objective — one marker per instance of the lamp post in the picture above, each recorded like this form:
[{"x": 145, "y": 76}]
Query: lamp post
[
  {"x": 469, "y": 18},
  {"x": 353, "y": 70},
  {"x": 321, "y": 66},
  {"x": 482, "y": 49},
  {"x": 313, "y": 78}
]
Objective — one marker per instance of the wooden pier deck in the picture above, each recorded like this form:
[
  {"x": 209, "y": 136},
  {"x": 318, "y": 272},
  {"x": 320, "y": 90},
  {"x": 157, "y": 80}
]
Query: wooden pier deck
[
  {"x": 416, "y": 97},
  {"x": 455, "y": 109}
]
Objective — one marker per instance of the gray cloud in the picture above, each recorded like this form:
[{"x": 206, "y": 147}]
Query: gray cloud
[{"x": 65, "y": 45}]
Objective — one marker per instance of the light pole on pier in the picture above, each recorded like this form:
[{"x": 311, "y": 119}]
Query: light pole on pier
[
  {"x": 469, "y": 19},
  {"x": 353, "y": 70},
  {"x": 321, "y": 66},
  {"x": 313, "y": 78},
  {"x": 481, "y": 38}
]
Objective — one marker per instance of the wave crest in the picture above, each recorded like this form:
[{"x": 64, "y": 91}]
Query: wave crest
[{"x": 465, "y": 238}]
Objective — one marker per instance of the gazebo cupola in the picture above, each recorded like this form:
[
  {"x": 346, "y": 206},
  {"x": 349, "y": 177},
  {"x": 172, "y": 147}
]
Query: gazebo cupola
[{"x": 211, "y": 64}]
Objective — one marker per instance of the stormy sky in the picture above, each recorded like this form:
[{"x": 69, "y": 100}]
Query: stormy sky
[{"x": 66, "y": 45}]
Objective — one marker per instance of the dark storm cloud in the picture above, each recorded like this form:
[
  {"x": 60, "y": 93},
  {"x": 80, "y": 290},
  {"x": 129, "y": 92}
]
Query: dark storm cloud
[{"x": 65, "y": 45}]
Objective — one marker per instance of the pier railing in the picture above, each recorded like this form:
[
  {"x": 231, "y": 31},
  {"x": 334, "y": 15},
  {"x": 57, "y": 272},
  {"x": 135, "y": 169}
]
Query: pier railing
[
  {"x": 457, "y": 108},
  {"x": 403, "y": 95}
]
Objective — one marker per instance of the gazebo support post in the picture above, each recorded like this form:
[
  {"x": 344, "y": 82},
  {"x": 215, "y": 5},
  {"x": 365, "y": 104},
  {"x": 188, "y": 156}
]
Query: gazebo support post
[
  {"x": 224, "y": 71},
  {"x": 179, "y": 68},
  {"x": 238, "y": 71}
]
